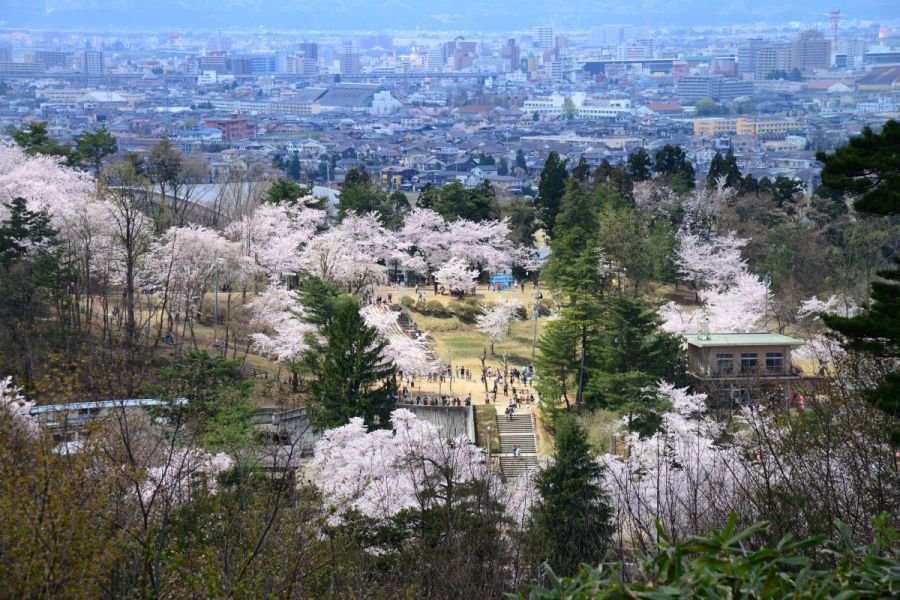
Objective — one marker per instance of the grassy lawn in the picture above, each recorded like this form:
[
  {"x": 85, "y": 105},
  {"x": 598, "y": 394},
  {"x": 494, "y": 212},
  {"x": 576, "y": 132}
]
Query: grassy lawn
[{"x": 486, "y": 416}]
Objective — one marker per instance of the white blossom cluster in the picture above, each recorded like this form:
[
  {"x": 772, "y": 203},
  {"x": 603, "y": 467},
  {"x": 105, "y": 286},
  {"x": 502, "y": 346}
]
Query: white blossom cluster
[{"x": 382, "y": 472}]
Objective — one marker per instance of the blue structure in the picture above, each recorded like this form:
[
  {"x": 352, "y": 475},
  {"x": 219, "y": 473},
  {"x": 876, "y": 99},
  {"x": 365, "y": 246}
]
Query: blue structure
[{"x": 504, "y": 279}]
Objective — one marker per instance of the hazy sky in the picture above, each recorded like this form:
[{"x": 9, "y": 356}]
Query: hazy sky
[{"x": 385, "y": 15}]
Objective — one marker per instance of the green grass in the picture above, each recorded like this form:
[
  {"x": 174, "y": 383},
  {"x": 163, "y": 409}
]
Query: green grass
[
  {"x": 486, "y": 416},
  {"x": 463, "y": 344}
]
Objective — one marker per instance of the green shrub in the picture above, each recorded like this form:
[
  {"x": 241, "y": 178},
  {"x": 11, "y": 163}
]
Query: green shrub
[
  {"x": 407, "y": 302},
  {"x": 435, "y": 309},
  {"x": 726, "y": 565},
  {"x": 465, "y": 311}
]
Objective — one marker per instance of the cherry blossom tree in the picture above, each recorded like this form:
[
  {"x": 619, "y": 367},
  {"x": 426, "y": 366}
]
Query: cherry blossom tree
[
  {"x": 354, "y": 253},
  {"x": 456, "y": 276},
  {"x": 710, "y": 263},
  {"x": 186, "y": 470},
  {"x": 273, "y": 236},
  {"x": 431, "y": 242},
  {"x": 44, "y": 182},
  {"x": 495, "y": 319},
  {"x": 181, "y": 267},
  {"x": 383, "y": 472},
  {"x": 732, "y": 298},
  {"x": 17, "y": 406},
  {"x": 671, "y": 475},
  {"x": 281, "y": 314}
]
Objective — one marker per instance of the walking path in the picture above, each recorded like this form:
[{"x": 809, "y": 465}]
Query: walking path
[{"x": 517, "y": 432}]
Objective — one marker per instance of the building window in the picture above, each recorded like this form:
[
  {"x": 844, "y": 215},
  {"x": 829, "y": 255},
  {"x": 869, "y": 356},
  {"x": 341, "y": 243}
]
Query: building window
[
  {"x": 748, "y": 362},
  {"x": 774, "y": 361},
  {"x": 724, "y": 364}
]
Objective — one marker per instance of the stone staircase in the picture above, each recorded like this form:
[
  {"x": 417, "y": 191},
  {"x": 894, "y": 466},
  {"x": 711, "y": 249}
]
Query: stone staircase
[{"x": 518, "y": 432}]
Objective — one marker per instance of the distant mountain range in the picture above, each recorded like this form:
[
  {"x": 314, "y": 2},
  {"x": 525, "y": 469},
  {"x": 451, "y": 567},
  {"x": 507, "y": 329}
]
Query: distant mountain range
[{"x": 387, "y": 15}]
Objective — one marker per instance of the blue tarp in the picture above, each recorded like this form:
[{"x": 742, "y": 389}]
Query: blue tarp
[{"x": 504, "y": 279}]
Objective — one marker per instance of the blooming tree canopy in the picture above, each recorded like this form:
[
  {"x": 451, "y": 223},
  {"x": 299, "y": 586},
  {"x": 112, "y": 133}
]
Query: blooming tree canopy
[
  {"x": 383, "y": 472},
  {"x": 495, "y": 319},
  {"x": 18, "y": 407},
  {"x": 279, "y": 311},
  {"x": 733, "y": 299},
  {"x": 456, "y": 276},
  {"x": 354, "y": 253},
  {"x": 272, "y": 236},
  {"x": 177, "y": 478}
]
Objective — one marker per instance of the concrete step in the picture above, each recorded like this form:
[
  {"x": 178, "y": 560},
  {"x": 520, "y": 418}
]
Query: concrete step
[{"x": 513, "y": 466}]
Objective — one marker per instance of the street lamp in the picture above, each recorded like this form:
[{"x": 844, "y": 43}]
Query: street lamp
[{"x": 450, "y": 368}]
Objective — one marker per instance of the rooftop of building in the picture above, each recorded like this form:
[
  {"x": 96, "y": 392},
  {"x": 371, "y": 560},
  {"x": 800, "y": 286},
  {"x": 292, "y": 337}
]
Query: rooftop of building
[{"x": 740, "y": 339}]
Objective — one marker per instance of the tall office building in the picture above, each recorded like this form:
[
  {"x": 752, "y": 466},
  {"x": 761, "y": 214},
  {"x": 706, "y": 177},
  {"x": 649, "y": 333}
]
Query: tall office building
[
  {"x": 747, "y": 51},
  {"x": 773, "y": 58},
  {"x": 436, "y": 58},
  {"x": 544, "y": 37},
  {"x": 5, "y": 53},
  {"x": 633, "y": 34},
  {"x": 510, "y": 54},
  {"x": 310, "y": 50},
  {"x": 92, "y": 62},
  {"x": 812, "y": 51},
  {"x": 349, "y": 59},
  {"x": 54, "y": 59}
]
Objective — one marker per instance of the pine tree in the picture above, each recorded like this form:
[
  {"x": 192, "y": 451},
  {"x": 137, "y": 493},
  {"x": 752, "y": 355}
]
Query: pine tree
[
  {"x": 574, "y": 253},
  {"x": 349, "y": 376},
  {"x": 569, "y": 523},
  {"x": 551, "y": 188},
  {"x": 870, "y": 165},
  {"x": 91, "y": 147},
  {"x": 639, "y": 165},
  {"x": 876, "y": 331},
  {"x": 671, "y": 162}
]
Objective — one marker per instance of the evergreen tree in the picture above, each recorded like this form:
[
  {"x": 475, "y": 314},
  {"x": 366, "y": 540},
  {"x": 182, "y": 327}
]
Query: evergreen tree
[
  {"x": 639, "y": 165},
  {"x": 293, "y": 168},
  {"x": 724, "y": 168},
  {"x": 868, "y": 166},
  {"x": 503, "y": 167},
  {"x": 285, "y": 191},
  {"x": 454, "y": 201},
  {"x": 551, "y": 188},
  {"x": 876, "y": 331},
  {"x": 359, "y": 194},
  {"x": 349, "y": 376},
  {"x": 582, "y": 170},
  {"x": 574, "y": 253},
  {"x": 35, "y": 139},
  {"x": 570, "y": 521},
  {"x": 558, "y": 360},
  {"x": 520, "y": 160},
  {"x": 35, "y": 275},
  {"x": 614, "y": 177},
  {"x": 672, "y": 164},
  {"x": 628, "y": 355},
  {"x": 92, "y": 147}
]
